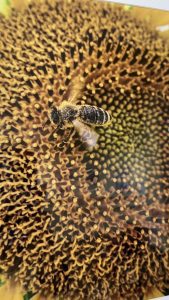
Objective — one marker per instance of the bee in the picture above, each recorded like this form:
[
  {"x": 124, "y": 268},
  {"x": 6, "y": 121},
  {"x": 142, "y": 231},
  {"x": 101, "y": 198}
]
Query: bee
[
  {"x": 83, "y": 117},
  {"x": 88, "y": 114}
]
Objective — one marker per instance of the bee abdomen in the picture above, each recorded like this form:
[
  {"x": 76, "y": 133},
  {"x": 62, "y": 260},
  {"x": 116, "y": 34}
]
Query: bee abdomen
[{"x": 94, "y": 115}]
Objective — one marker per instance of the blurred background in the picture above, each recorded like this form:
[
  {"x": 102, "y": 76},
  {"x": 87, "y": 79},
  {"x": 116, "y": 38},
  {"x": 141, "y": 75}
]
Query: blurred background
[
  {"x": 159, "y": 4},
  {"x": 158, "y": 16}
]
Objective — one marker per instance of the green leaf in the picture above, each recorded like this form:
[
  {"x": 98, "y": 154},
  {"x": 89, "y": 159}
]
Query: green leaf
[
  {"x": 4, "y": 6},
  {"x": 28, "y": 295},
  {"x": 127, "y": 7},
  {"x": 8, "y": 2},
  {"x": 1, "y": 282}
]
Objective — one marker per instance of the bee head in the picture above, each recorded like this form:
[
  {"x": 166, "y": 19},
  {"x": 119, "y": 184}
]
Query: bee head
[{"x": 55, "y": 115}]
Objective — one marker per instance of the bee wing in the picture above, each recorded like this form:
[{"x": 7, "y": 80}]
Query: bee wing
[
  {"x": 73, "y": 96},
  {"x": 75, "y": 90},
  {"x": 88, "y": 135}
]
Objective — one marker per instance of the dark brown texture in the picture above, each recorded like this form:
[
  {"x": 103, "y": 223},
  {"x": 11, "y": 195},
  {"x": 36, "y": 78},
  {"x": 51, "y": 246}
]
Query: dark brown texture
[{"x": 77, "y": 223}]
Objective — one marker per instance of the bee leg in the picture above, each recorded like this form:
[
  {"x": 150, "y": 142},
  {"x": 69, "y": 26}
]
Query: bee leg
[
  {"x": 46, "y": 123},
  {"x": 67, "y": 137}
]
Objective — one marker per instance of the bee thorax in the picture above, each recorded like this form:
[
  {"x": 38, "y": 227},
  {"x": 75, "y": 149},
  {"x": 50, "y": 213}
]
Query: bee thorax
[{"x": 69, "y": 113}]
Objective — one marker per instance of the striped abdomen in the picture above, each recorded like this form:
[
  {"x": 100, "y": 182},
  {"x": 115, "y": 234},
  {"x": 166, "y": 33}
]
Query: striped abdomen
[{"x": 94, "y": 115}]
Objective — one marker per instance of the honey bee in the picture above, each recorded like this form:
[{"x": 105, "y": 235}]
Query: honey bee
[
  {"x": 88, "y": 114},
  {"x": 83, "y": 117}
]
